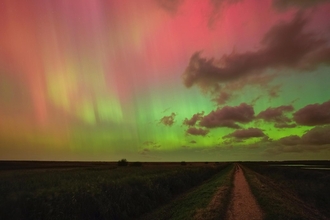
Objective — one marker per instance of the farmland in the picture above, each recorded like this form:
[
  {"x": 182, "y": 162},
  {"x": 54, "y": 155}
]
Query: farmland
[
  {"x": 94, "y": 191},
  {"x": 103, "y": 190}
]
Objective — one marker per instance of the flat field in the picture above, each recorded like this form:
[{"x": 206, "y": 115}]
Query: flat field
[{"x": 205, "y": 190}]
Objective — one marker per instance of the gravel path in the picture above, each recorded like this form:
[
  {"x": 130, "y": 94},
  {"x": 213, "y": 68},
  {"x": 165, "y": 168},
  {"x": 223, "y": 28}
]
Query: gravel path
[{"x": 243, "y": 205}]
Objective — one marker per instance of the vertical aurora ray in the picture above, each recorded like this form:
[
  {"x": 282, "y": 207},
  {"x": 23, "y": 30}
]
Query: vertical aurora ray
[{"x": 105, "y": 79}]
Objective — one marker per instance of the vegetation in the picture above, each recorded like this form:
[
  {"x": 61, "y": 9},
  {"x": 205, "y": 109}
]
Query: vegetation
[
  {"x": 209, "y": 200},
  {"x": 88, "y": 193},
  {"x": 136, "y": 164},
  {"x": 123, "y": 163},
  {"x": 289, "y": 192}
]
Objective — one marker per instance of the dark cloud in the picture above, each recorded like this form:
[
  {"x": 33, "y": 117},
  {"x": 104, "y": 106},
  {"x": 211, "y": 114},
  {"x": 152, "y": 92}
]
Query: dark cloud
[
  {"x": 285, "y": 125},
  {"x": 277, "y": 115},
  {"x": 286, "y": 45},
  {"x": 197, "y": 131},
  {"x": 149, "y": 143},
  {"x": 273, "y": 91},
  {"x": 168, "y": 120},
  {"x": 246, "y": 133},
  {"x": 286, "y": 4},
  {"x": 170, "y": 6},
  {"x": 228, "y": 116},
  {"x": 317, "y": 136},
  {"x": 313, "y": 140},
  {"x": 145, "y": 151},
  {"x": 222, "y": 98},
  {"x": 290, "y": 140},
  {"x": 315, "y": 114},
  {"x": 192, "y": 121}
]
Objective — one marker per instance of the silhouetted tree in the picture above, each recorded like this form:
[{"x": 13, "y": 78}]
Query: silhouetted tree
[{"x": 123, "y": 163}]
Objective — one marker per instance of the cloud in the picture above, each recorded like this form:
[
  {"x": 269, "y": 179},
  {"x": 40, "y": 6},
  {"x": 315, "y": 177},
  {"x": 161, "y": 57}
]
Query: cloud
[
  {"x": 168, "y": 120},
  {"x": 273, "y": 91},
  {"x": 314, "y": 114},
  {"x": 145, "y": 151},
  {"x": 317, "y": 136},
  {"x": 285, "y": 45},
  {"x": 277, "y": 115},
  {"x": 291, "y": 140},
  {"x": 197, "y": 131},
  {"x": 151, "y": 144},
  {"x": 286, "y": 4},
  {"x": 246, "y": 133},
  {"x": 228, "y": 116},
  {"x": 222, "y": 98},
  {"x": 314, "y": 140},
  {"x": 192, "y": 121},
  {"x": 170, "y": 6}
]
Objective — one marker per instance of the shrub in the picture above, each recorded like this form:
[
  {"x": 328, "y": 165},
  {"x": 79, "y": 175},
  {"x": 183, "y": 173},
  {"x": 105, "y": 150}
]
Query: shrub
[
  {"x": 123, "y": 163},
  {"x": 183, "y": 163}
]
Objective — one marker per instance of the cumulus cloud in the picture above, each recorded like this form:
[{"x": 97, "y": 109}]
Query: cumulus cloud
[
  {"x": 286, "y": 4},
  {"x": 168, "y": 120},
  {"x": 286, "y": 45},
  {"x": 314, "y": 114},
  {"x": 317, "y": 136},
  {"x": 228, "y": 116},
  {"x": 277, "y": 115},
  {"x": 197, "y": 131},
  {"x": 314, "y": 140},
  {"x": 246, "y": 133},
  {"x": 192, "y": 121},
  {"x": 291, "y": 140}
]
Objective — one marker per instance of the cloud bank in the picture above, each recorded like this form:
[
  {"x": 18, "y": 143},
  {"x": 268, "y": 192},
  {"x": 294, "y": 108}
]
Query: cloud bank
[{"x": 286, "y": 45}]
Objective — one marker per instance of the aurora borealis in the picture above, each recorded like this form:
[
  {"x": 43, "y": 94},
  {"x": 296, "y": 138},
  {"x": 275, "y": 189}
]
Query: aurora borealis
[{"x": 164, "y": 80}]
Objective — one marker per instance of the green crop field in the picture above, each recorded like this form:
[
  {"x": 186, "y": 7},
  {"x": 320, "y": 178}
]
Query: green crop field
[
  {"x": 291, "y": 190},
  {"x": 95, "y": 191},
  {"x": 92, "y": 190}
]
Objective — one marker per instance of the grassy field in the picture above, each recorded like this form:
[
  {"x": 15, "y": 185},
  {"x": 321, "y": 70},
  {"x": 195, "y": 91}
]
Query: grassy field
[
  {"x": 286, "y": 190},
  {"x": 94, "y": 191},
  {"x": 102, "y": 190},
  {"x": 209, "y": 200}
]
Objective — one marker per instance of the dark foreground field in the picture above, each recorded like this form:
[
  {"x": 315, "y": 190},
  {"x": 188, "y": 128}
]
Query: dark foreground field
[{"x": 103, "y": 190}]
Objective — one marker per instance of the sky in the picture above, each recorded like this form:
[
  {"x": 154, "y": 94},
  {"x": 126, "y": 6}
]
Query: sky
[{"x": 165, "y": 80}]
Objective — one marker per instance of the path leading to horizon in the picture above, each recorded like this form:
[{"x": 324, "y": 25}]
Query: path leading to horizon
[{"x": 243, "y": 205}]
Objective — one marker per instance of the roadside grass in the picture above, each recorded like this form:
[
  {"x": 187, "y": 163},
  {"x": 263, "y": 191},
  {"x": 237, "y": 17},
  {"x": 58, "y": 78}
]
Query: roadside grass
[
  {"x": 209, "y": 200},
  {"x": 120, "y": 193},
  {"x": 279, "y": 202}
]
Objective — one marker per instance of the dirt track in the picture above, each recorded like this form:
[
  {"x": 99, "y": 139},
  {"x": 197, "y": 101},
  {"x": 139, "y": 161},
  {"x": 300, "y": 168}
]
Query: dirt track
[{"x": 243, "y": 205}]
